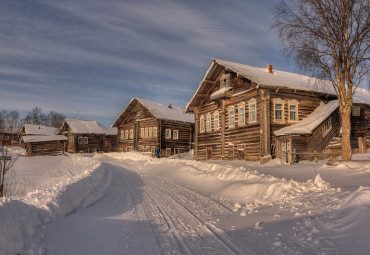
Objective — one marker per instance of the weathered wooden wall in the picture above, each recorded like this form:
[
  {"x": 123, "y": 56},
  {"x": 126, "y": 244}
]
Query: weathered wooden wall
[{"x": 45, "y": 148}]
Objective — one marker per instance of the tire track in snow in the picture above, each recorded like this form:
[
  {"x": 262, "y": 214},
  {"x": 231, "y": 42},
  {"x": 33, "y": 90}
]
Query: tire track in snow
[{"x": 214, "y": 231}]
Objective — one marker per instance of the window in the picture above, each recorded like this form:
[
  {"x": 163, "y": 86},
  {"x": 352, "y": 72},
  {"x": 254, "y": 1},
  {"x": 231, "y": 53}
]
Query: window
[
  {"x": 202, "y": 126},
  {"x": 6, "y": 138},
  {"x": 278, "y": 109},
  {"x": 231, "y": 116},
  {"x": 146, "y": 132},
  {"x": 356, "y": 111},
  {"x": 208, "y": 122},
  {"x": 293, "y": 110},
  {"x": 80, "y": 140},
  {"x": 71, "y": 139},
  {"x": 155, "y": 132},
  {"x": 168, "y": 151},
  {"x": 216, "y": 119},
  {"x": 168, "y": 133},
  {"x": 105, "y": 142},
  {"x": 131, "y": 134},
  {"x": 252, "y": 110},
  {"x": 175, "y": 134},
  {"x": 326, "y": 127},
  {"x": 150, "y": 132},
  {"x": 126, "y": 134},
  {"x": 225, "y": 80},
  {"x": 241, "y": 120},
  {"x": 142, "y": 132},
  {"x": 122, "y": 135},
  {"x": 86, "y": 140}
]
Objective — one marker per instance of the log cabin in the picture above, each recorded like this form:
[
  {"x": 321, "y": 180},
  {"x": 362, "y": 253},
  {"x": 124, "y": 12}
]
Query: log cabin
[
  {"x": 144, "y": 125},
  {"x": 41, "y": 140},
  {"x": 86, "y": 136},
  {"x": 255, "y": 114},
  {"x": 9, "y": 137}
]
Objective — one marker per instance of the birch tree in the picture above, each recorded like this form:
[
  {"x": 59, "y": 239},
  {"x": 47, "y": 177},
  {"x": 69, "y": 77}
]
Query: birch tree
[{"x": 329, "y": 39}]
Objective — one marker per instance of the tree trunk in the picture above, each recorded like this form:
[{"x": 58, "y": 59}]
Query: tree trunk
[{"x": 346, "y": 131}]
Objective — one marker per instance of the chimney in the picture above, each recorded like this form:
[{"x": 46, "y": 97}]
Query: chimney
[
  {"x": 269, "y": 68},
  {"x": 170, "y": 106}
]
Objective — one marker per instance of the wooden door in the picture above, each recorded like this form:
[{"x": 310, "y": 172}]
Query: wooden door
[
  {"x": 286, "y": 155},
  {"x": 209, "y": 153}
]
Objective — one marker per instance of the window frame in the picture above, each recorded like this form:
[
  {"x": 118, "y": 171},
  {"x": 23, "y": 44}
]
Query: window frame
[
  {"x": 252, "y": 102},
  {"x": 231, "y": 109},
  {"x": 122, "y": 134},
  {"x": 86, "y": 140},
  {"x": 126, "y": 134},
  {"x": 241, "y": 108},
  {"x": 216, "y": 120},
  {"x": 150, "y": 132},
  {"x": 142, "y": 132},
  {"x": 80, "y": 140},
  {"x": 146, "y": 132},
  {"x": 202, "y": 124},
  {"x": 176, "y": 137},
  {"x": 168, "y": 150},
  {"x": 327, "y": 126},
  {"x": 282, "y": 103},
  {"x": 168, "y": 131},
  {"x": 131, "y": 133},
  {"x": 208, "y": 122},
  {"x": 293, "y": 103},
  {"x": 155, "y": 132}
]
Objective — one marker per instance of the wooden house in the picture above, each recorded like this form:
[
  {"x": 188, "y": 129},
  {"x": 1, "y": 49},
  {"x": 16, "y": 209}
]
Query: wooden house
[
  {"x": 85, "y": 136},
  {"x": 9, "y": 137},
  {"x": 250, "y": 113},
  {"x": 144, "y": 125},
  {"x": 41, "y": 140}
]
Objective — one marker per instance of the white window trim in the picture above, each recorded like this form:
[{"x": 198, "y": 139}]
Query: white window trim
[
  {"x": 146, "y": 132},
  {"x": 131, "y": 134},
  {"x": 150, "y": 132},
  {"x": 328, "y": 123},
  {"x": 122, "y": 135},
  {"x": 169, "y": 132},
  {"x": 126, "y": 135},
  {"x": 216, "y": 113},
  {"x": 293, "y": 102},
  {"x": 176, "y": 137},
  {"x": 250, "y": 103},
  {"x": 208, "y": 124},
  {"x": 86, "y": 140},
  {"x": 142, "y": 132},
  {"x": 282, "y": 102},
  {"x": 155, "y": 132},
  {"x": 241, "y": 106},
  {"x": 201, "y": 127},
  {"x": 231, "y": 109}
]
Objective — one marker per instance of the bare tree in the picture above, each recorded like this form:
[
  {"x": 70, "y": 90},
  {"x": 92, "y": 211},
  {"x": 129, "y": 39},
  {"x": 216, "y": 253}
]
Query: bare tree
[
  {"x": 56, "y": 119},
  {"x": 330, "y": 39},
  {"x": 7, "y": 160}
]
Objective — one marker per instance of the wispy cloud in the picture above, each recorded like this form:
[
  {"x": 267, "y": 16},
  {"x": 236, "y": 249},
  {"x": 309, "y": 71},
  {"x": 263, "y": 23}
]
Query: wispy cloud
[{"x": 92, "y": 56}]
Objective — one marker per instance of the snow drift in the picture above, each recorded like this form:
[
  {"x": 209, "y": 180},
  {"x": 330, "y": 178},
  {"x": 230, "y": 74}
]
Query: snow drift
[{"x": 21, "y": 219}]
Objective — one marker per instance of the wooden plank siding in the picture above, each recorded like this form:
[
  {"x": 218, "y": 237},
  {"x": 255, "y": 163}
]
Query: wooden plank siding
[{"x": 52, "y": 148}]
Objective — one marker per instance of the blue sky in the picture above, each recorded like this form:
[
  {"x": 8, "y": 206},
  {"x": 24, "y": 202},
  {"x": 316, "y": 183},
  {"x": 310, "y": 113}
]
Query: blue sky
[{"x": 91, "y": 56}]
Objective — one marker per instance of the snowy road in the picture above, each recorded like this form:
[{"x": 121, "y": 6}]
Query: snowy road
[{"x": 143, "y": 214}]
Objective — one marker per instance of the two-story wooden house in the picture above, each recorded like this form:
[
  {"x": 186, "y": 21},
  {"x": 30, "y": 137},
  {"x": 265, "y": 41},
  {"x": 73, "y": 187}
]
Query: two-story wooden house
[
  {"x": 88, "y": 136},
  {"x": 144, "y": 125},
  {"x": 245, "y": 112}
]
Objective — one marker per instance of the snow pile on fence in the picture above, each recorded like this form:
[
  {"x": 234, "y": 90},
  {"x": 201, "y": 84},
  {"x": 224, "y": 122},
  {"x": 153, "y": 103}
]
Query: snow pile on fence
[{"x": 21, "y": 219}]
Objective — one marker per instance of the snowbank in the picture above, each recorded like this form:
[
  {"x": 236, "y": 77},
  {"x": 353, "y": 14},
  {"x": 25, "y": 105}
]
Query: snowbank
[{"x": 21, "y": 219}]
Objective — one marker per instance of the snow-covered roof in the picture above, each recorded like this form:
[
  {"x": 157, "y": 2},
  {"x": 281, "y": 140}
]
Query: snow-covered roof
[
  {"x": 43, "y": 138},
  {"x": 89, "y": 127},
  {"x": 275, "y": 79},
  {"x": 307, "y": 125},
  {"x": 31, "y": 129},
  {"x": 160, "y": 111},
  {"x": 219, "y": 93}
]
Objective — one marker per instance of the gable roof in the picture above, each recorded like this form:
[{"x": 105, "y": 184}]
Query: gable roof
[
  {"x": 159, "y": 111},
  {"x": 275, "y": 79},
  {"x": 31, "y": 129},
  {"x": 89, "y": 127},
  {"x": 309, "y": 124}
]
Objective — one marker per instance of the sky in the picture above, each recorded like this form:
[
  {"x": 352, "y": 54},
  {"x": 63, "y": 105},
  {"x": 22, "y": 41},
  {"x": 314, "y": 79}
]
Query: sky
[{"x": 88, "y": 58}]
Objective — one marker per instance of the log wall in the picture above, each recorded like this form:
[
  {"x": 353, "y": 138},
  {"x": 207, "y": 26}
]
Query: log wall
[{"x": 45, "y": 148}]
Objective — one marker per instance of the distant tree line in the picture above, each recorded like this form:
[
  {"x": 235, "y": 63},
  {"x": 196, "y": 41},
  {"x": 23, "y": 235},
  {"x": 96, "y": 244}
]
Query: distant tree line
[{"x": 11, "y": 120}]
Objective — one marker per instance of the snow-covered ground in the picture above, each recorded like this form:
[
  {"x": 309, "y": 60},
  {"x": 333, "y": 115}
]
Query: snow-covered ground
[{"x": 181, "y": 206}]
